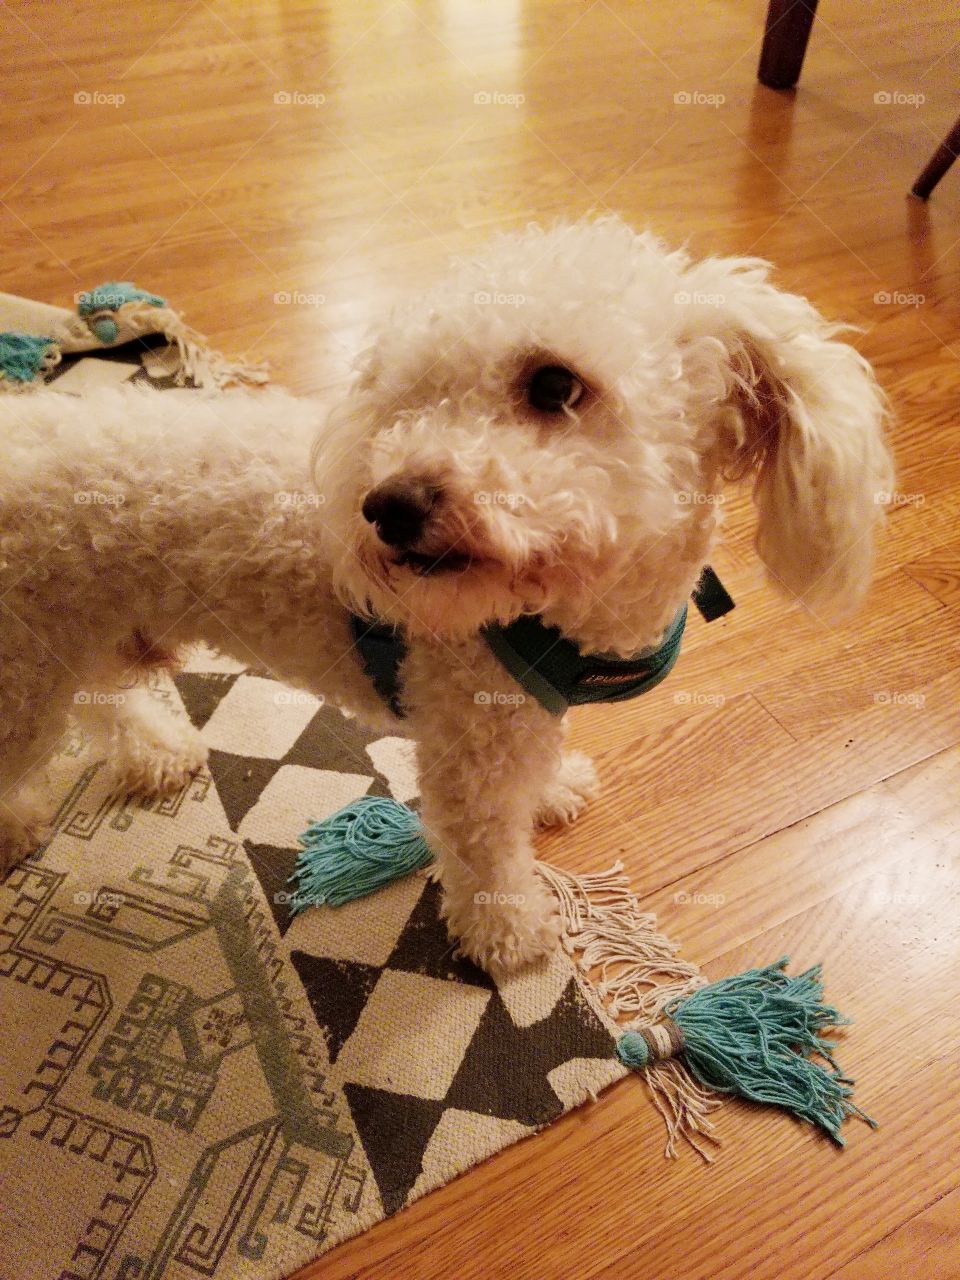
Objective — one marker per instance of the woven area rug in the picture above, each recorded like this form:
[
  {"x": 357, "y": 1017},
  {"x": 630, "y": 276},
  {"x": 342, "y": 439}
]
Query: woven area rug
[
  {"x": 200, "y": 1086},
  {"x": 194, "y": 1084}
]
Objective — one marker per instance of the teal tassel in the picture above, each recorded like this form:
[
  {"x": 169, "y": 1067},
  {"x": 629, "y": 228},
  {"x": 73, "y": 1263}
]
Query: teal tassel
[
  {"x": 106, "y": 329},
  {"x": 364, "y": 846},
  {"x": 113, "y": 295},
  {"x": 752, "y": 1035},
  {"x": 23, "y": 357}
]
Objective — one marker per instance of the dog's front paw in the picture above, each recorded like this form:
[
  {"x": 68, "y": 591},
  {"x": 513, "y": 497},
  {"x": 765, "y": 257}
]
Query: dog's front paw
[
  {"x": 569, "y": 792},
  {"x": 503, "y": 931}
]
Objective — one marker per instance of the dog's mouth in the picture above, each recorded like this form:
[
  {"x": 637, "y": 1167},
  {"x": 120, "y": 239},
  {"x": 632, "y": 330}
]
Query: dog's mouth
[{"x": 429, "y": 563}]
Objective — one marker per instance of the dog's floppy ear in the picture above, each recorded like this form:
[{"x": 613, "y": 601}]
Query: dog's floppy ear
[{"x": 802, "y": 411}]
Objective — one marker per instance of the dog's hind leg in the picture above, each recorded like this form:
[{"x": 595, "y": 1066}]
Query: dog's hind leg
[
  {"x": 152, "y": 751},
  {"x": 157, "y": 752},
  {"x": 34, "y": 724},
  {"x": 24, "y": 819}
]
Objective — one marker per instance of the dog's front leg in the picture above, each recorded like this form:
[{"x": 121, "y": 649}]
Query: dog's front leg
[{"x": 486, "y": 752}]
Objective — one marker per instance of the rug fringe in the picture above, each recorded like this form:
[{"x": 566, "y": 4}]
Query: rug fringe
[
  {"x": 635, "y": 970},
  {"x": 206, "y": 367},
  {"x": 685, "y": 1106}
]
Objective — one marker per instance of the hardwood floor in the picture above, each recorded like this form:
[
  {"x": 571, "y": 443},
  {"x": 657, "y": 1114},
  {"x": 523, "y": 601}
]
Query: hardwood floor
[{"x": 812, "y": 792}]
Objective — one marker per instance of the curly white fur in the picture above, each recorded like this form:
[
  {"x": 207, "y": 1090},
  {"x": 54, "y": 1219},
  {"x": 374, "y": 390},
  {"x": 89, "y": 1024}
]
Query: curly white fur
[{"x": 130, "y": 523}]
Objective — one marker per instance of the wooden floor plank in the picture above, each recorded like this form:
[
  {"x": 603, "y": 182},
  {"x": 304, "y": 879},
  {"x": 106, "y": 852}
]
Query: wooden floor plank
[
  {"x": 926, "y": 1244},
  {"x": 888, "y": 672},
  {"x": 939, "y": 573}
]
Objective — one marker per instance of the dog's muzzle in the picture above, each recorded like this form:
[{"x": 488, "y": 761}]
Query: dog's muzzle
[{"x": 400, "y": 509}]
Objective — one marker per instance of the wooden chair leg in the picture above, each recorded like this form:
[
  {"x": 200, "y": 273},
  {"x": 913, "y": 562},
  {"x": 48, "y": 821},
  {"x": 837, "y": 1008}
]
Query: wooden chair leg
[
  {"x": 940, "y": 162},
  {"x": 785, "y": 42}
]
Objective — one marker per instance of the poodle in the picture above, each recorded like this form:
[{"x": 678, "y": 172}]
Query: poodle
[{"x": 540, "y": 436}]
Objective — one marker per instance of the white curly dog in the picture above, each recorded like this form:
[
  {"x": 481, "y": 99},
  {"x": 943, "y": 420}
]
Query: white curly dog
[{"x": 539, "y": 434}]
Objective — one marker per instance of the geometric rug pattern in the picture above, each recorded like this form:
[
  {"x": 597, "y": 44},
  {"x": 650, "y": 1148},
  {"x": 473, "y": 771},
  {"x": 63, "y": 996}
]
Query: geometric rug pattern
[{"x": 202, "y": 1086}]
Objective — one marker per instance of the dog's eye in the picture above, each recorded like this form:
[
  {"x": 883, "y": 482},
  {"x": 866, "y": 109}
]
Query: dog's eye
[{"x": 553, "y": 389}]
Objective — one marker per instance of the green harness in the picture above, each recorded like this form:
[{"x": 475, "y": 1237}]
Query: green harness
[
  {"x": 543, "y": 662},
  {"x": 549, "y": 667}
]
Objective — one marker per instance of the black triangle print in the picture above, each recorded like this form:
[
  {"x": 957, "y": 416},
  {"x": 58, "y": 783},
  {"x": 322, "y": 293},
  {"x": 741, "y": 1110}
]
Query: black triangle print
[
  {"x": 331, "y": 741},
  {"x": 240, "y": 781},
  {"x": 574, "y": 1030},
  {"x": 395, "y": 1129},
  {"x": 425, "y": 947},
  {"x": 273, "y": 868},
  {"x": 504, "y": 1071},
  {"x": 338, "y": 991},
  {"x": 203, "y": 691}
]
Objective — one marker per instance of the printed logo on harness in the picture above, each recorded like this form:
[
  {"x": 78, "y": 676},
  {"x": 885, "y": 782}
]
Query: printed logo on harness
[{"x": 599, "y": 679}]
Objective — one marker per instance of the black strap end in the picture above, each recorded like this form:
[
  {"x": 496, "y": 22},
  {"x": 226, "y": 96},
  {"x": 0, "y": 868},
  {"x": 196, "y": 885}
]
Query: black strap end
[{"x": 711, "y": 597}]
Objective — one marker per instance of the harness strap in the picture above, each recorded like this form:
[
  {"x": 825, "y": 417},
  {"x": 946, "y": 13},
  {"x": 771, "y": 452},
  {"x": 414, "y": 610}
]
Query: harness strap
[
  {"x": 545, "y": 664},
  {"x": 554, "y": 671},
  {"x": 382, "y": 650}
]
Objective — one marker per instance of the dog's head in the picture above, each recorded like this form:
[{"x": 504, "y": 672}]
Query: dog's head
[{"x": 549, "y": 429}]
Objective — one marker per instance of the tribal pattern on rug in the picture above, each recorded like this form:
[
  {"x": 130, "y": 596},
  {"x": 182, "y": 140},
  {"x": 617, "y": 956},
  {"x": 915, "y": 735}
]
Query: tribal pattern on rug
[{"x": 203, "y": 1086}]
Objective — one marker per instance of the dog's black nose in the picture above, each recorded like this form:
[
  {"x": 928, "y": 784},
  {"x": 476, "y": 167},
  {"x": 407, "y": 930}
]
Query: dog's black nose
[{"x": 399, "y": 509}]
